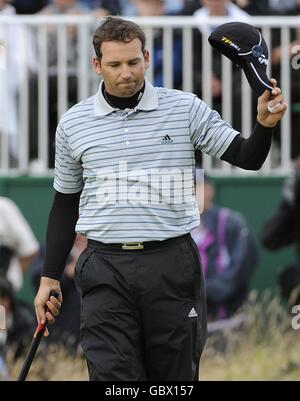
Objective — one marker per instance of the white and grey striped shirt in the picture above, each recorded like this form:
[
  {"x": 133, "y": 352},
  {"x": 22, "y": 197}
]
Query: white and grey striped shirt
[{"x": 135, "y": 167}]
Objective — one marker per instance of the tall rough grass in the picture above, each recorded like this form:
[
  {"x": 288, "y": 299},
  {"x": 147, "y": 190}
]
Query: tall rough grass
[{"x": 265, "y": 348}]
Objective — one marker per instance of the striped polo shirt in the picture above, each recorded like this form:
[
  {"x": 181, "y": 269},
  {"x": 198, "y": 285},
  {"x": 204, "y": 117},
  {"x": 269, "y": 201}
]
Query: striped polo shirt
[{"x": 135, "y": 167}]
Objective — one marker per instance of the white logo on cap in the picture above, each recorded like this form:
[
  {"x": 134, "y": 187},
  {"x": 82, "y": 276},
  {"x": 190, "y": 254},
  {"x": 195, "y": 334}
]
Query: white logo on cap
[
  {"x": 257, "y": 52},
  {"x": 262, "y": 59}
]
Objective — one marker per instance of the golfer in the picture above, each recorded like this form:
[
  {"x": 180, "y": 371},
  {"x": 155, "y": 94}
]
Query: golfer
[{"x": 124, "y": 179}]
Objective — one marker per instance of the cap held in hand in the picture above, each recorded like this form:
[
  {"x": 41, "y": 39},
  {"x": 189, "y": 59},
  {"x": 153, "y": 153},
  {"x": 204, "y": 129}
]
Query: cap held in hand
[{"x": 244, "y": 45}]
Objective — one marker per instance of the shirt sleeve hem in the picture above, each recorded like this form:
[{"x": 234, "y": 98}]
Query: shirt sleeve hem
[
  {"x": 63, "y": 190},
  {"x": 227, "y": 144}
]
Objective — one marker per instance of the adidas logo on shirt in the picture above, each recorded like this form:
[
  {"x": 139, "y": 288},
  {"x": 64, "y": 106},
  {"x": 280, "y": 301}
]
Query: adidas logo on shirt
[
  {"x": 166, "y": 139},
  {"x": 193, "y": 313}
]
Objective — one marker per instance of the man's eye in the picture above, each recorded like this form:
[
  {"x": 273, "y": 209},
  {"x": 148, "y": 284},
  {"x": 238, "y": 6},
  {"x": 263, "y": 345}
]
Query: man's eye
[{"x": 133, "y": 62}]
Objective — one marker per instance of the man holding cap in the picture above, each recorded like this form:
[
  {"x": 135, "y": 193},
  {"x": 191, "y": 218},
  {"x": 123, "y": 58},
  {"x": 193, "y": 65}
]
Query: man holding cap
[{"x": 143, "y": 296}]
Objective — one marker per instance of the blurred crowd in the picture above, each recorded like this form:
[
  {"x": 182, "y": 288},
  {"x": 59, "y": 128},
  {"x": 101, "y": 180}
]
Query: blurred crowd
[
  {"x": 10, "y": 80},
  {"x": 21, "y": 253},
  {"x": 171, "y": 7}
]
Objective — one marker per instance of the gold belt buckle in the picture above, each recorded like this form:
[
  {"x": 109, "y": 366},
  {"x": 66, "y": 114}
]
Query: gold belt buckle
[{"x": 132, "y": 246}]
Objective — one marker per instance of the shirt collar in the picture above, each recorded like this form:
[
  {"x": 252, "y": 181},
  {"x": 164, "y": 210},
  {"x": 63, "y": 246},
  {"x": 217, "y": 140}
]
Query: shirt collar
[{"x": 148, "y": 102}]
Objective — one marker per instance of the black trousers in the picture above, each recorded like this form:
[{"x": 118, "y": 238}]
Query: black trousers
[{"x": 143, "y": 312}]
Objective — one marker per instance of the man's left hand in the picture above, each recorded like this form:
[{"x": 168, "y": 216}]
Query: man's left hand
[{"x": 264, "y": 117}]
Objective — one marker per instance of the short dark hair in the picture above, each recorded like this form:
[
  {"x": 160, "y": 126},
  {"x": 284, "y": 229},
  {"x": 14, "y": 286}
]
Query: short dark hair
[{"x": 117, "y": 29}]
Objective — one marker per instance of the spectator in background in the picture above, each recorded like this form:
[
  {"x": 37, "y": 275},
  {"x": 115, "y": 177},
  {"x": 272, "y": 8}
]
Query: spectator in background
[
  {"x": 282, "y": 229},
  {"x": 103, "y": 7},
  {"x": 57, "y": 7},
  {"x": 156, "y": 8},
  {"x": 4, "y": 374},
  {"x": 29, "y": 6},
  {"x": 217, "y": 8},
  {"x": 64, "y": 7},
  {"x": 279, "y": 7},
  {"x": 254, "y": 7},
  {"x": 174, "y": 6},
  {"x": 268, "y": 7},
  {"x": 18, "y": 245},
  {"x": 189, "y": 7},
  {"x": 228, "y": 254},
  {"x": 293, "y": 53},
  {"x": 112, "y": 7},
  {"x": 128, "y": 7},
  {"x": 20, "y": 321},
  {"x": 14, "y": 58}
]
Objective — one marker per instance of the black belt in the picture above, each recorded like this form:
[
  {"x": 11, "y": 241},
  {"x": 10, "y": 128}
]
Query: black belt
[{"x": 135, "y": 246}]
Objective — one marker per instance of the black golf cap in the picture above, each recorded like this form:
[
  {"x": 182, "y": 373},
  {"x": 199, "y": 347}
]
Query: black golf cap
[{"x": 244, "y": 45}]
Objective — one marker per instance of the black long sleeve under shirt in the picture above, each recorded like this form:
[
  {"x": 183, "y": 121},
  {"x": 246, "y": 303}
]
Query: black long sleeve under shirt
[{"x": 248, "y": 154}]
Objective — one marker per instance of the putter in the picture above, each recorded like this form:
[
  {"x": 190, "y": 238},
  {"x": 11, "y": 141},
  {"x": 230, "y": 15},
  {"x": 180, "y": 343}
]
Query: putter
[{"x": 33, "y": 346}]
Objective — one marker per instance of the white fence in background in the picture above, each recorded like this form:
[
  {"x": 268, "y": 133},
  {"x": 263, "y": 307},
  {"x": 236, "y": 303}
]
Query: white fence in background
[{"x": 35, "y": 30}]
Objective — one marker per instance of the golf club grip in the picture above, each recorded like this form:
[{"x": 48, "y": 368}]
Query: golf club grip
[{"x": 33, "y": 346}]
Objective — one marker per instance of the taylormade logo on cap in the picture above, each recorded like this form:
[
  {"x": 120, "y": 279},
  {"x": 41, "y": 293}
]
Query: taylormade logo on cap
[{"x": 231, "y": 43}]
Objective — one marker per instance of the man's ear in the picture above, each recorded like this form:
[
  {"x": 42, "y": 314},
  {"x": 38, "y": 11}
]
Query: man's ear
[
  {"x": 147, "y": 58},
  {"x": 97, "y": 65}
]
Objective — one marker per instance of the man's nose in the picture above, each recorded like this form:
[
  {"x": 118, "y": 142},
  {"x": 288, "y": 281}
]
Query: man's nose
[{"x": 125, "y": 72}]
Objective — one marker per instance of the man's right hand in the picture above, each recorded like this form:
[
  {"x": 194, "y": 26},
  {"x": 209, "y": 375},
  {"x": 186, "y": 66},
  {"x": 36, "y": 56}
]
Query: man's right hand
[{"x": 42, "y": 302}]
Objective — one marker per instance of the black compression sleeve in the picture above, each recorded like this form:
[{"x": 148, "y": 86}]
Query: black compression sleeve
[
  {"x": 60, "y": 233},
  {"x": 250, "y": 153}
]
